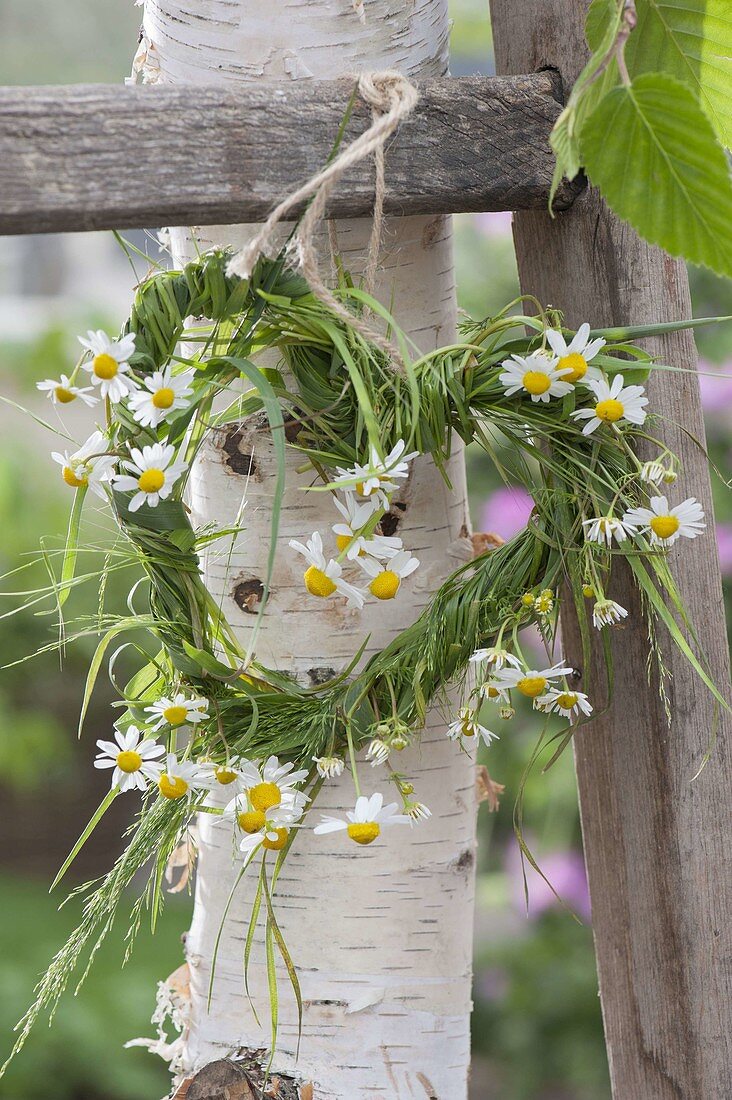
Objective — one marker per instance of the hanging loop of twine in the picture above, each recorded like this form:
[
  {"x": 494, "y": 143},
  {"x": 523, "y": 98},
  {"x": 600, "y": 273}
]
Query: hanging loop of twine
[{"x": 391, "y": 98}]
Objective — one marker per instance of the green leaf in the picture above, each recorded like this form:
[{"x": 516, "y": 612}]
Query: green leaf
[
  {"x": 72, "y": 546},
  {"x": 651, "y": 150},
  {"x": 691, "y": 40},
  {"x": 96, "y": 818}
]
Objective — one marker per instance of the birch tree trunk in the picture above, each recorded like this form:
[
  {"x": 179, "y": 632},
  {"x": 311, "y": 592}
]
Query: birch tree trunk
[{"x": 381, "y": 936}]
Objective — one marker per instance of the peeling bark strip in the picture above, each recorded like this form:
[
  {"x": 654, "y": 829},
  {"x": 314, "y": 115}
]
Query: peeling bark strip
[
  {"x": 382, "y": 936},
  {"x": 98, "y": 157},
  {"x": 657, "y": 841}
]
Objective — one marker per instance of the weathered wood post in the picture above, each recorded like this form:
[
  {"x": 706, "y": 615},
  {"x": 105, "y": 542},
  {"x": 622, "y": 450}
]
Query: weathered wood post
[{"x": 657, "y": 840}]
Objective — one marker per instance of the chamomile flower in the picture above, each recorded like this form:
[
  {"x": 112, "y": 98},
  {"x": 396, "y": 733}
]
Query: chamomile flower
[
  {"x": 89, "y": 465},
  {"x": 564, "y": 702},
  {"x": 652, "y": 473},
  {"x": 323, "y": 578},
  {"x": 607, "y": 613},
  {"x": 388, "y": 576},
  {"x": 328, "y": 767},
  {"x": 268, "y": 828},
  {"x": 493, "y": 693},
  {"x": 378, "y": 752},
  {"x": 536, "y": 374},
  {"x": 467, "y": 725},
  {"x": 365, "y": 822},
  {"x": 603, "y": 529},
  {"x": 228, "y": 775},
  {"x": 417, "y": 811},
  {"x": 177, "y": 711},
  {"x": 154, "y": 471},
  {"x": 576, "y": 355},
  {"x": 273, "y": 784},
  {"x": 495, "y": 658},
  {"x": 666, "y": 524},
  {"x": 348, "y": 535},
  {"x": 379, "y": 476},
  {"x": 109, "y": 367},
  {"x": 163, "y": 392},
  {"x": 613, "y": 403},
  {"x": 180, "y": 778},
  {"x": 530, "y": 682},
  {"x": 62, "y": 392},
  {"x": 133, "y": 757}
]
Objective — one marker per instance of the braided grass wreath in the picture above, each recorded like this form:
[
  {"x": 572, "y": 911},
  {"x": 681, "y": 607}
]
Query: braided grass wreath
[{"x": 200, "y": 713}]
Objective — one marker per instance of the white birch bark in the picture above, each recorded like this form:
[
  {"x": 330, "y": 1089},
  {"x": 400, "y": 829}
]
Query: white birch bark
[{"x": 382, "y": 935}]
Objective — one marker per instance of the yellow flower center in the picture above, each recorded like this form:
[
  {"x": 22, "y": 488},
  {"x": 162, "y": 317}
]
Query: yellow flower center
[
  {"x": 317, "y": 583},
  {"x": 251, "y": 821},
  {"x": 105, "y": 366},
  {"x": 129, "y": 761},
  {"x": 151, "y": 481},
  {"x": 279, "y": 843},
  {"x": 224, "y": 776},
  {"x": 172, "y": 786},
  {"x": 492, "y": 692},
  {"x": 588, "y": 591},
  {"x": 468, "y": 728},
  {"x": 163, "y": 398},
  {"x": 71, "y": 479},
  {"x": 664, "y": 526},
  {"x": 577, "y": 364},
  {"x": 531, "y": 686},
  {"x": 609, "y": 410},
  {"x": 343, "y": 542},
  {"x": 264, "y": 796},
  {"x": 64, "y": 395},
  {"x": 536, "y": 382},
  {"x": 363, "y": 832},
  {"x": 385, "y": 586},
  {"x": 175, "y": 715},
  {"x": 567, "y": 700}
]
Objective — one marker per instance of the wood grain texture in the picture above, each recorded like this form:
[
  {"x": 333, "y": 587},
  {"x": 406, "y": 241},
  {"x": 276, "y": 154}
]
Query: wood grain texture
[
  {"x": 657, "y": 841},
  {"x": 98, "y": 156}
]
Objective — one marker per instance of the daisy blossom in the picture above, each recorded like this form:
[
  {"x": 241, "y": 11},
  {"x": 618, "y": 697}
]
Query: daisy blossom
[
  {"x": 273, "y": 784},
  {"x": 536, "y": 374},
  {"x": 328, "y": 767},
  {"x": 133, "y": 757},
  {"x": 417, "y": 811},
  {"x": 269, "y": 828},
  {"x": 177, "y": 711},
  {"x": 613, "y": 403},
  {"x": 604, "y": 528},
  {"x": 365, "y": 822},
  {"x": 667, "y": 524},
  {"x": 387, "y": 577},
  {"x": 323, "y": 578},
  {"x": 607, "y": 613},
  {"x": 467, "y": 725},
  {"x": 109, "y": 367},
  {"x": 87, "y": 466},
  {"x": 180, "y": 778},
  {"x": 163, "y": 393},
  {"x": 155, "y": 471},
  {"x": 229, "y": 775},
  {"x": 530, "y": 682},
  {"x": 62, "y": 392},
  {"x": 378, "y": 476},
  {"x": 565, "y": 702},
  {"x": 348, "y": 535},
  {"x": 495, "y": 657},
  {"x": 575, "y": 355}
]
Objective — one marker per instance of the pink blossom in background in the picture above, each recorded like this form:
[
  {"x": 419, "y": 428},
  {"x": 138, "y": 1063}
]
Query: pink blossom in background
[
  {"x": 716, "y": 387},
  {"x": 565, "y": 871},
  {"x": 724, "y": 548},
  {"x": 493, "y": 224},
  {"x": 506, "y": 511}
]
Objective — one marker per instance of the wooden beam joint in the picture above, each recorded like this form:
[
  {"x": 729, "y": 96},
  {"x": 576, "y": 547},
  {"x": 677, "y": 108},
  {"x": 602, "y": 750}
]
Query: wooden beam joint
[{"x": 101, "y": 156}]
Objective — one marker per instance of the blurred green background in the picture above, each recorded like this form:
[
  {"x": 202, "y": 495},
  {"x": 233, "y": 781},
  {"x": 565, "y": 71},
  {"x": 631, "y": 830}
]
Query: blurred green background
[{"x": 537, "y": 1027}]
